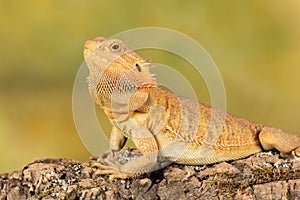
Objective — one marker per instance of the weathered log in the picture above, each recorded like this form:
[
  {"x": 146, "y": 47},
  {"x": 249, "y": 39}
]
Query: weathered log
[{"x": 260, "y": 176}]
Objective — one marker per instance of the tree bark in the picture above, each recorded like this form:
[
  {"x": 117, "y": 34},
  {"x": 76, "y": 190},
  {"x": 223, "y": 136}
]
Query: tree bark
[{"x": 260, "y": 176}]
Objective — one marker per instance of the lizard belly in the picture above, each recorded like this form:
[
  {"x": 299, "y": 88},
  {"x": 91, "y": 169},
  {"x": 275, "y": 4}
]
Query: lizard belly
[{"x": 180, "y": 152}]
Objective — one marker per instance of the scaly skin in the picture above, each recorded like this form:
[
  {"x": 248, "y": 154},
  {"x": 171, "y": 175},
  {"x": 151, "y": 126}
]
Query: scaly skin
[{"x": 161, "y": 123}]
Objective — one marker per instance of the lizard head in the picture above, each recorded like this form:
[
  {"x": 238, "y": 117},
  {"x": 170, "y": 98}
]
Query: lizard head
[{"x": 114, "y": 67}]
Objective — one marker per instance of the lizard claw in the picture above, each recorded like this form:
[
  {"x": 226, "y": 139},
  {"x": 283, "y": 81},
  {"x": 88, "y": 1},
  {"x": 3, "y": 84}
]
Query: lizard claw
[{"x": 111, "y": 171}]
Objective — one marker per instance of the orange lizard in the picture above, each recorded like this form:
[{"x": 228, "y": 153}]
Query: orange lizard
[{"x": 161, "y": 123}]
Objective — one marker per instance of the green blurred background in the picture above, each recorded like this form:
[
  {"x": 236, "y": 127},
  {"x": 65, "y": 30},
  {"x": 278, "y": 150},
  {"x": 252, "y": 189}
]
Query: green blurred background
[{"x": 256, "y": 45}]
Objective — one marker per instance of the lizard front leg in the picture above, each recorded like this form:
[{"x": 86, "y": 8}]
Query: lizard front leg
[
  {"x": 287, "y": 144},
  {"x": 116, "y": 143},
  {"x": 117, "y": 139},
  {"x": 145, "y": 143}
]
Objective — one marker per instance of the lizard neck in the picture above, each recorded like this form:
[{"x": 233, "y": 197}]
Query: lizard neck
[{"x": 118, "y": 98}]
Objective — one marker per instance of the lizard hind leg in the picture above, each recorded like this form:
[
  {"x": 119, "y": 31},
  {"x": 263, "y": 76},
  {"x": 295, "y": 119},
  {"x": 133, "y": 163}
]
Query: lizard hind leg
[{"x": 286, "y": 143}]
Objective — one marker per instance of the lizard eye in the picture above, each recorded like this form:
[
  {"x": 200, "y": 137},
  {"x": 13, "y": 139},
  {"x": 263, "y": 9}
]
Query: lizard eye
[
  {"x": 115, "y": 47},
  {"x": 138, "y": 67}
]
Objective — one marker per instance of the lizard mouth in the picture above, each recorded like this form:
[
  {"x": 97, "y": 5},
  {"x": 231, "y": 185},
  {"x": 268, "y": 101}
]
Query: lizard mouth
[
  {"x": 86, "y": 50},
  {"x": 90, "y": 45}
]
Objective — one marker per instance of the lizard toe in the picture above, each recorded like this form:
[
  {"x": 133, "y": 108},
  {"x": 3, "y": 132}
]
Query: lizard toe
[
  {"x": 296, "y": 152},
  {"x": 112, "y": 171}
]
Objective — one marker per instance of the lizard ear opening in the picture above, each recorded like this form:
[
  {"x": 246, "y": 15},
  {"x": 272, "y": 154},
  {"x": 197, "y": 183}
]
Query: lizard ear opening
[{"x": 138, "y": 67}]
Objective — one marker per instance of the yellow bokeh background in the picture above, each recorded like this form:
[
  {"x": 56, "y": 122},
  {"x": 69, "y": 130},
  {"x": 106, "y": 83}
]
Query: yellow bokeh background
[{"x": 256, "y": 45}]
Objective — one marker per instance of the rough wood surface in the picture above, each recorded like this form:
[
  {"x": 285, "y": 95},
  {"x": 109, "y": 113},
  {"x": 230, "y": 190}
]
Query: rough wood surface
[{"x": 260, "y": 176}]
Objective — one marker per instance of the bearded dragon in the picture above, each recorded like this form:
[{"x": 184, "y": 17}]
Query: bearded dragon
[{"x": 161, "y": 123}]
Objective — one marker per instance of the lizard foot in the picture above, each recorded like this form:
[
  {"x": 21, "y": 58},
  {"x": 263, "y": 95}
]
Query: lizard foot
[
  {"x": 293, "y": 154},
  {"x": 113, "y": 161},
  {"x": 111, "y": 171}
]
